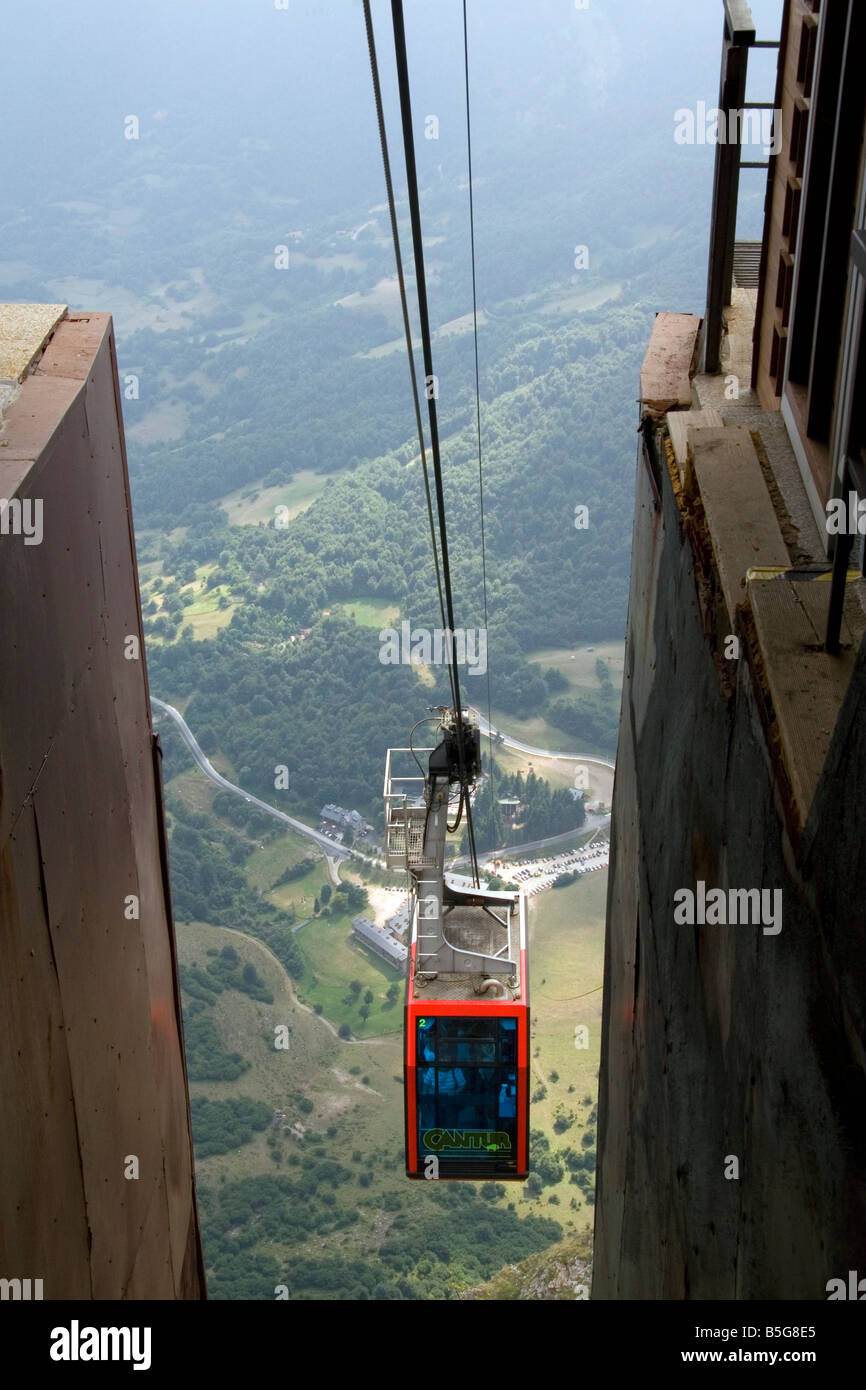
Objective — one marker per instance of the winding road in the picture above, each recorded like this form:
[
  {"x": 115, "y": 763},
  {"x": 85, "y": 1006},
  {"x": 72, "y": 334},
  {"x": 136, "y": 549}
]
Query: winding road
[
  {"x": 335, "y": 852},
  {"x": 332, "y": 850},
  {"x": 519, "y": 747}
]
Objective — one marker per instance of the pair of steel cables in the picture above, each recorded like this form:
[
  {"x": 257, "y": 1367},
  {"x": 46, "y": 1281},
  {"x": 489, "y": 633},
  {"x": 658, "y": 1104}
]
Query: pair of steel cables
[{"x": 440, "y": 542}]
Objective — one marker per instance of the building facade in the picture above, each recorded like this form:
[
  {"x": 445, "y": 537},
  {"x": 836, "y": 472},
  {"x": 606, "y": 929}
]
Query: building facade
[{"x": 732, "y": 1103}]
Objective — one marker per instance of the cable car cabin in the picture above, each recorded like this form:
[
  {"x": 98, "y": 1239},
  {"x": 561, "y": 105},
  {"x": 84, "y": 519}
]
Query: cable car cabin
[
  {"x": 467, "y": 1053},
  {"x": 466, "y": 1046}
]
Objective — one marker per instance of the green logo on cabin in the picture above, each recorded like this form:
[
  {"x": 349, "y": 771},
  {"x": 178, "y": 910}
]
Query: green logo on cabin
[{"x": 459, "y": 1140}]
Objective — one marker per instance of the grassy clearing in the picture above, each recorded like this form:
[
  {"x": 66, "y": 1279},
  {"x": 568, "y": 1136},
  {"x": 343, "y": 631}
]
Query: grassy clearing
[
  {"x": 537, "y": 732},
  {"x": 558, "y": 772},
  {"x": 579, "y": 303},
  {"x": 267, "y": 864},
  {"x": 566, "y": 929},
  {"x": 249, "y": 505},
  {"x": 195, "y": 789},
  {"x": 383, "y": 298},
  {"x": 334, "y": 957},
  {"x": 301, "y": 893},
  {"x": 453, "y": 327},
  {"x": 370, "y": 612},
  {"x": 203, "y": 615},
  {"x": 577, "y": 664}
]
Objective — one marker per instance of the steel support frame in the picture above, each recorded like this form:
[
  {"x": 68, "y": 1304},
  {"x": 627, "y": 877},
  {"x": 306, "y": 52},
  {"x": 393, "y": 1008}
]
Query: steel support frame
[{"x": 738, "y": 37}]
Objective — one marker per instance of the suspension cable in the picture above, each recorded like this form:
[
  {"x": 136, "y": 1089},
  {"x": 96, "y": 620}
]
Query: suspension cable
[
  {"x": 383, "y": 142},
  {"x": 478, "y": 397},
  {"x": 421, "y": 285}
]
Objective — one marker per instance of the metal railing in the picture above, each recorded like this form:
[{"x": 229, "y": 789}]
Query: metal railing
[
  {"x": 404, "y": 823},
  {"x": 738, "y": 37}
]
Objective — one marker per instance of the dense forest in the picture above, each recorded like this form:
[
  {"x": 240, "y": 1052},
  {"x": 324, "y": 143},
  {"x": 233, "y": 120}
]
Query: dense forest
[
  {"x": 557, "y": 436},
  {"x": 543, "y": 812},
  {"x": 327, "y": 706},
  {"x": 429, "y": 1251}
]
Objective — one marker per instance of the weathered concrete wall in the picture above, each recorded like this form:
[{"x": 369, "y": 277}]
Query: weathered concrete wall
[
  {"x": 91, "y": 1060},
  {"x": 722, "y": 1040}
]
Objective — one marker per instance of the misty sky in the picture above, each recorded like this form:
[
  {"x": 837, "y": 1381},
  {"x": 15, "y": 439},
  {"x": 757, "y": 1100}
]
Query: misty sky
[{"x": 553, "y": 92}]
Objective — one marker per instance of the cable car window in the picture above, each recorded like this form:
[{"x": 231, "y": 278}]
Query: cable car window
[{"x": 467, "y": 1088}]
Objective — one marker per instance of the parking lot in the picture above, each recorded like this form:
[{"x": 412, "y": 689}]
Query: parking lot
[{"x": 535, "y": 875}]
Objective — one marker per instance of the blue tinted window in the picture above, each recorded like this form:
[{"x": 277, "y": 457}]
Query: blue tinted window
[{"x": 467, "y": 1088}]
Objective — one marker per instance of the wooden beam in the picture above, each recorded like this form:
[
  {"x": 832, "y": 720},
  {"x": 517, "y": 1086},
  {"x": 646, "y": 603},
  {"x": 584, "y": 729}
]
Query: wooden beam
[{"x": 739, "y": 25}]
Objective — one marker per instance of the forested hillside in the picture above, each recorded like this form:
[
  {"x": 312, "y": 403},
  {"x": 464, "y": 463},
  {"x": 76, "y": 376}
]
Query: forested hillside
[{"x": 327, "y": 706}]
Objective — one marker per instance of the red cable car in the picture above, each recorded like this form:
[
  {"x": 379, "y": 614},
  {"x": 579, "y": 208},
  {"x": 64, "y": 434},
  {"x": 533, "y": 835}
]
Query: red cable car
[{"x": 466, "y": 1050}]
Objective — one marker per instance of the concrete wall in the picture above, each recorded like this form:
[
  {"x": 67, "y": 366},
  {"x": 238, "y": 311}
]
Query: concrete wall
[
  {"x": 92, "y": 1069},
  {"x": 721, "y": 1040}
]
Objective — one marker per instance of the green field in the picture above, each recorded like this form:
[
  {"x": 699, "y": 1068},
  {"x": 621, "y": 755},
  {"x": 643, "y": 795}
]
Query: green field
[
  {"x": 331, "y": 954},
  {"x": 203, "y": 615},
  {"x": 536, "y": 731},
  {"x": 249, "y": 505},
  {"x": 559, "y": 773},
  {"x": 566, "y": 939},
  {"x": 269, "y": 862},
  {"x": 370, "y": 612},
  {"x": 578, "y": 667},
  {"x": 577, "y": 664},
  {"x": 195, "y": 789},
  {"x": 334, "y": 957}
]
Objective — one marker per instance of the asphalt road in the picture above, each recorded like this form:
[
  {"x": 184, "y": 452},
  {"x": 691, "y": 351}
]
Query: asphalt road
[
  {"x": 538, "y": 752},
  {"x": 592, "y": 822},
  {"x": 334, "y": 850},
  {"x": 337, "y": 851}
]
